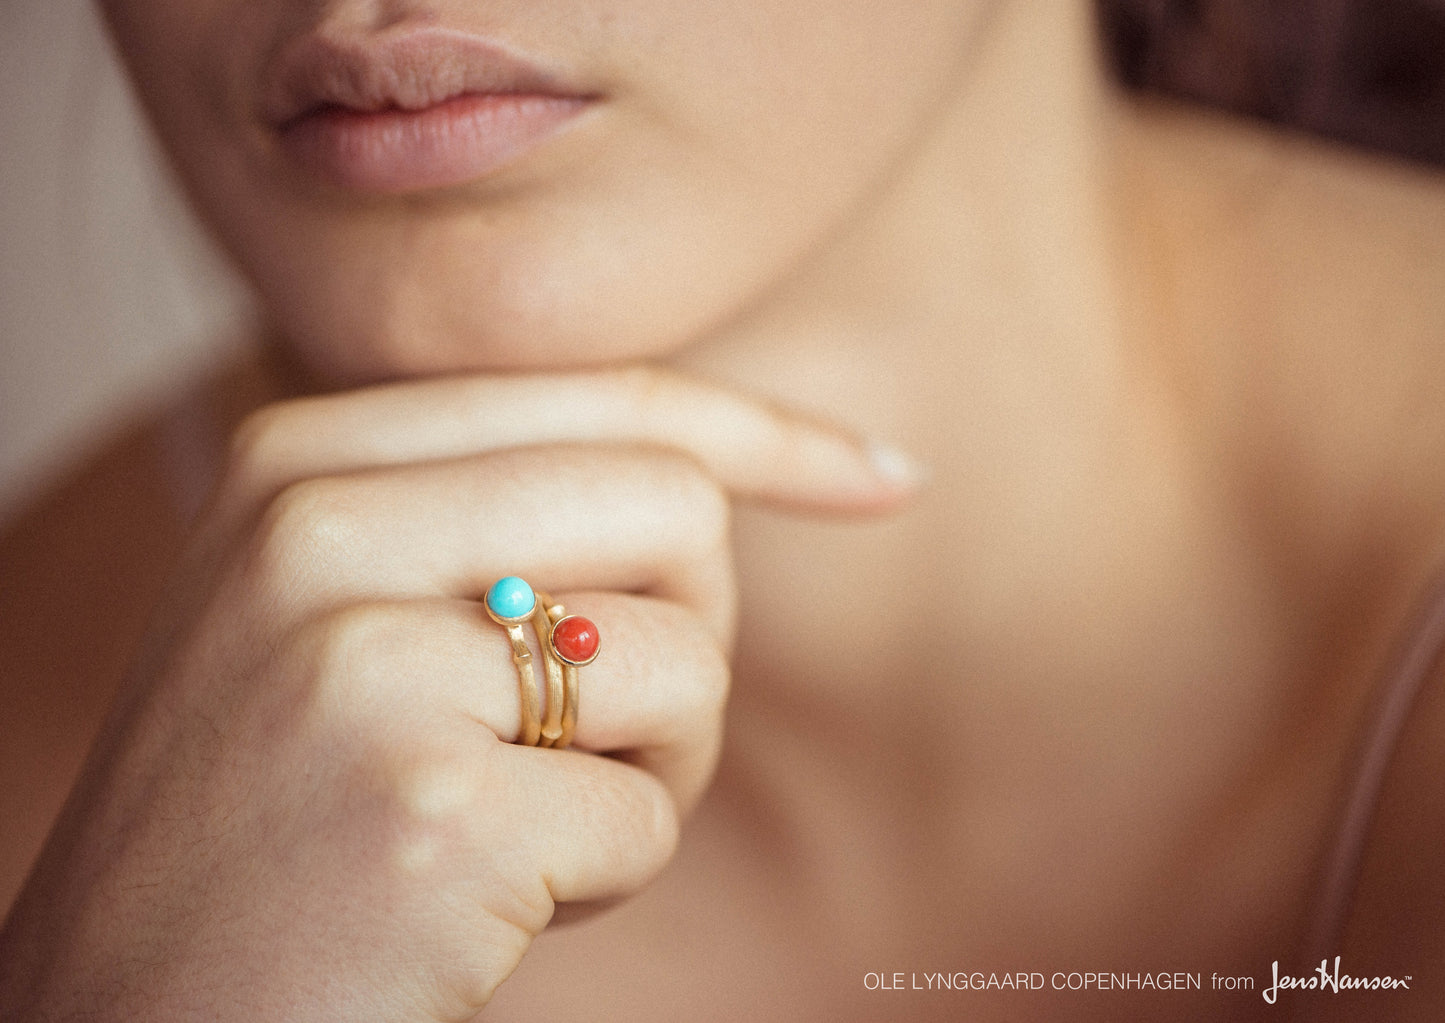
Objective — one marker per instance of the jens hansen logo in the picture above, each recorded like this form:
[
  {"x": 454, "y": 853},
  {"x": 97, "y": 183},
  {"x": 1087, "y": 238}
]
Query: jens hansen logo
[{"x": 1335, "y": 982}]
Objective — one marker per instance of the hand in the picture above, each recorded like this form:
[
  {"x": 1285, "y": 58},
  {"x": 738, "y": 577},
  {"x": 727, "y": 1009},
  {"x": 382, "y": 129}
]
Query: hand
[{"x": 305, "y": 803}]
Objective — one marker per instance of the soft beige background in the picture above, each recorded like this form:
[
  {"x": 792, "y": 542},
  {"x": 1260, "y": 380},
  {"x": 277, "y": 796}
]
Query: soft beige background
[{"x": 108, "y": 295}]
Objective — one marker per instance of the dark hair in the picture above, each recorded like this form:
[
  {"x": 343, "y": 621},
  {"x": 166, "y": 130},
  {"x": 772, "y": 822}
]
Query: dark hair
[{"x": 1369, "y": 72}]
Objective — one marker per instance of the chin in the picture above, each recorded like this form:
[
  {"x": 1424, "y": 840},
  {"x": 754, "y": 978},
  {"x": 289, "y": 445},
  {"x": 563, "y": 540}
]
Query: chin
[
  {"x": 451, "y": 302},
  {"x": 420, "y": 333}
]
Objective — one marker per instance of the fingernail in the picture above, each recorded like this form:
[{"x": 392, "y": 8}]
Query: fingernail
[{"x": 894, "y": 465}]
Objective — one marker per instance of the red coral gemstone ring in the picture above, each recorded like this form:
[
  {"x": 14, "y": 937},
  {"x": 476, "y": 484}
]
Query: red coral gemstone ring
[{"x": 575, "y": 639}]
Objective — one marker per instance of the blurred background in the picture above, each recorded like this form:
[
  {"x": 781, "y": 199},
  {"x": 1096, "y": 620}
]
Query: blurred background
[
  {"x": 109, "y": 295},
  {"x": 1365, "y": 72}
]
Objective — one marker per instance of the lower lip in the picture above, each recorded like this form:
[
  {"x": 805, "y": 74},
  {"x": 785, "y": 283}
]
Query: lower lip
[{"x": 452, "y": 143}]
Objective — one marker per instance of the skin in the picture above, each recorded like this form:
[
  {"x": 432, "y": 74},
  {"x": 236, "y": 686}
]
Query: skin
[
  {"x": 1087, "y": 698},
  {"x": 426, "y": 800},
  {"x": 738, "y": 188}
]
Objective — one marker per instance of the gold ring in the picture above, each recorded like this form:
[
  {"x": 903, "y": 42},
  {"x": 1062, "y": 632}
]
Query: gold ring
[
  {"x": 510, "y": 602},
  {"x": 575, "y": 642},
  {"x": 552, "y": 730}
]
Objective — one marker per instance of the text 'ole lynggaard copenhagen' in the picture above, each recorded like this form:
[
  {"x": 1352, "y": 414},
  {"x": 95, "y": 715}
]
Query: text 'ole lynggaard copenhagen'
[{"x": 1085, "y": 980}]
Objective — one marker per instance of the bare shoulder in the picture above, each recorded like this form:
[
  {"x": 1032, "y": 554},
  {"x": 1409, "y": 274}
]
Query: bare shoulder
[
  {"x": 80, "y": 566},
  {"x": 1230, "y": 206},
  {"x": 1190, "y": 146}
]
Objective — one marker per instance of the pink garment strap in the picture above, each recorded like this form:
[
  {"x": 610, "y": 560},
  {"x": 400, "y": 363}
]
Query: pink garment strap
[{"x": 1413, "y": 665}]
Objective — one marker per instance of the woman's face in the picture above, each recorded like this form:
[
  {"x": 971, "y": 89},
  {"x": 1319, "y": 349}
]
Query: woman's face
[{"x": 422, "y": 186}]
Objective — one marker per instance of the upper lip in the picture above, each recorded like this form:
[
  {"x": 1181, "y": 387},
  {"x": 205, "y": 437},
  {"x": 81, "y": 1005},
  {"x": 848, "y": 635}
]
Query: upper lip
[{"x": 410, "y": 69}]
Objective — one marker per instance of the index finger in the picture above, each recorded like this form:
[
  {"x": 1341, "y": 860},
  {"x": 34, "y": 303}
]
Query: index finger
[{"x": 752, "y": 447}]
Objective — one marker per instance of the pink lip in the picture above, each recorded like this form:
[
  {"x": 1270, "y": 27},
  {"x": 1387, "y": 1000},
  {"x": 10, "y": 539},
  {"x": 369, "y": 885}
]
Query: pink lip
[{"x": 406, "y": 111}]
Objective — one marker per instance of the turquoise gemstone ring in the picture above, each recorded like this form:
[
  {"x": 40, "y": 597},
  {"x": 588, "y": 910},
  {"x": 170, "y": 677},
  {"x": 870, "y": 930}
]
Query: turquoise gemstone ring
[{"x": 510, "y": 602}]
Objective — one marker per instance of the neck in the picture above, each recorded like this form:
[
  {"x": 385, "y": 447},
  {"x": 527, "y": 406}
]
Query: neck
[
  {"x": 968, "y": 316},
  {"x": 974, "y": 279},
  {"x": 1096, "y": 480}
]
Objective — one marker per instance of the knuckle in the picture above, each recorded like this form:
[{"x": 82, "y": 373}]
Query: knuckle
[
  {"x": 431, "y": 807},
  {"x": 648, "y": 387},
  {"x": 658, "y": 399},
  {"x": 356, "y": 695},
  {"x": 700, "y": 667},
  {"x": 659, "y": 826},
  {"x": 701, "y": 714},
  {"x": 687, "y": 485},
  {"x": 333, "y": 665},
  {"x": 434, "y": 792},
  {"x": 415, "y": 807},
  {"x": 714, "y": 681},
  {"x": 346, "y": 645},
  {"x": 698, "y": 680},
  {"x": 644, "y": 820},
  {"x": 255, "y": 451},
  {"x": 311, "y": 522}
]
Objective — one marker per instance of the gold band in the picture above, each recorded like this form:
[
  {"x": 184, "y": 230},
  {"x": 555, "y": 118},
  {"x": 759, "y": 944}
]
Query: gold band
[
  {"x": 511, "y": 603},
  {"x": 527, "y": 677},
  {"x": 569, "y": 675},
  {"x": 552, "y": 729},
  {"x": 561, "y": 703}
]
